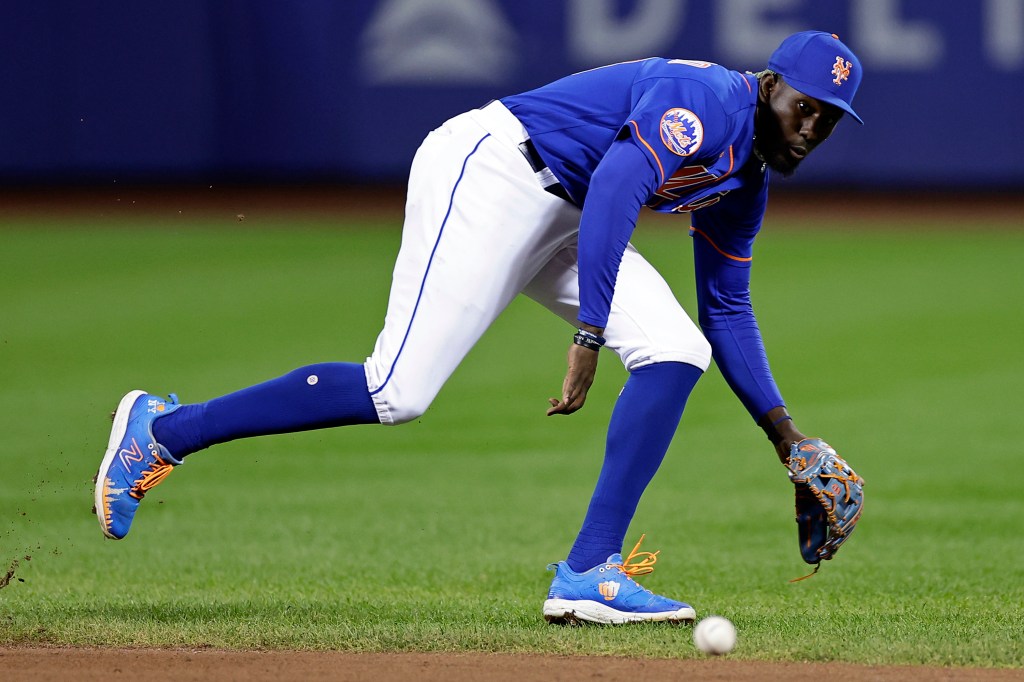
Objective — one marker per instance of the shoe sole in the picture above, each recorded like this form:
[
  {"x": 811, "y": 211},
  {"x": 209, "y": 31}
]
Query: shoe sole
[
  {"x": 579, "y": 612},
  {"x": 117, "y": 431}
]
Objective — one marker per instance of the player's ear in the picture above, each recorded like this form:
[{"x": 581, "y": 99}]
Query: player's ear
[{"x": 766, "y": 84}]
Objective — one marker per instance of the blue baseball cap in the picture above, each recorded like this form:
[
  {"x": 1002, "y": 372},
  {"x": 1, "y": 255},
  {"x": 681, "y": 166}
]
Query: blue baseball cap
[{"x": 819, "y": 65}]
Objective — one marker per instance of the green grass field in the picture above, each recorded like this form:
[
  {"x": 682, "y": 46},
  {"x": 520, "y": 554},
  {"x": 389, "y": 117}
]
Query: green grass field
[{"x": 900, "y": 346}]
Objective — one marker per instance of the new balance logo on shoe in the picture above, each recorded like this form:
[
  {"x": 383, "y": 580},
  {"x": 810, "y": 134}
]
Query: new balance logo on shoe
[
  {"x": 608, "y": 589},
  {"x": 128, "y": 456}
]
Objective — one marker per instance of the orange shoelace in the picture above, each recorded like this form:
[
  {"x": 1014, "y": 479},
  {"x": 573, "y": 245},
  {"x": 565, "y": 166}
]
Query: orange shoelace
[
  {"x": 638, "y": 563},
  {"x": 152, "y": 477}
]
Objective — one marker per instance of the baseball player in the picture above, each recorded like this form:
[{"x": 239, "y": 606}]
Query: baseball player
[{"x": 539, "y": 193}]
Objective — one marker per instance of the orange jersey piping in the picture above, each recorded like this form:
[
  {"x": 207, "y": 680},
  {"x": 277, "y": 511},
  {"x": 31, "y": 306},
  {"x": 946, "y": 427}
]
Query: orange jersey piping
[
  {"x": 661, "y": 169},
  {"x": 694, "y": 230}
]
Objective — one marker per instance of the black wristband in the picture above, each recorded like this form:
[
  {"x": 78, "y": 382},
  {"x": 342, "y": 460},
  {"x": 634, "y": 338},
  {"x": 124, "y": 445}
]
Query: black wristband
[{"x": 588, "y": 339}]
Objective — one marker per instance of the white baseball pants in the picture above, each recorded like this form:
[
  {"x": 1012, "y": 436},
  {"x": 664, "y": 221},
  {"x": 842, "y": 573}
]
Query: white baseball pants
[{"x": 480, "y": 229}]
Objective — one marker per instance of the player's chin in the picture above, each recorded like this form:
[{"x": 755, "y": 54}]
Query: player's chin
[{"x": 783, "y": 164}]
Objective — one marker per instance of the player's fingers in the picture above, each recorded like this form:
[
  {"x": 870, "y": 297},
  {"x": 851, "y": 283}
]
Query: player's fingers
[
  {"x": 564, "y": 406},
  {"x": 577, "y": 402},
  {"x": 569, "y": 405}
]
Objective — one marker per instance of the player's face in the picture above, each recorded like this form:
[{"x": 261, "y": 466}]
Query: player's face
[{"x": 789, "y": 125}]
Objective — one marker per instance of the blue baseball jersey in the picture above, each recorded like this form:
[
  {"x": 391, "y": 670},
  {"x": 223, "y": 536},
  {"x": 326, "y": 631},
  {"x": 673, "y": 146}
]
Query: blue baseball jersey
[
  {"x": 694, "y": 120},
  {"x": 676, "y": 136}
]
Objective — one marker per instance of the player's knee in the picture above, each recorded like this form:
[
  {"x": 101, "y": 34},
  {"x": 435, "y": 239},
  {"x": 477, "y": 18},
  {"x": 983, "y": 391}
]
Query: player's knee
[
  {"x": 400, "y": 397},
  {"x": 695, "y": 351},
  {"x": 691, "y": 348},
  {"x": 702, "y": 353},
  {"x": 406, "y": 410}
]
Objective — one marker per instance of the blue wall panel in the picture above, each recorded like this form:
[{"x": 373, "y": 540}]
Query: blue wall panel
[{"x": 345, "y": 90}]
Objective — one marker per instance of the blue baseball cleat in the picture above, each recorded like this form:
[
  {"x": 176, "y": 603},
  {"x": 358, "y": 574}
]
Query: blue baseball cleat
[
  {"x": 133, "y": 463},
  {"x": 608, "y": 594}
]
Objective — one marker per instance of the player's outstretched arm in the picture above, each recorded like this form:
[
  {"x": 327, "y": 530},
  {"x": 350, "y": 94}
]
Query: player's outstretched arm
[
  {"x": 579, "y": 376},
  {"x": 781, "y": 431}
]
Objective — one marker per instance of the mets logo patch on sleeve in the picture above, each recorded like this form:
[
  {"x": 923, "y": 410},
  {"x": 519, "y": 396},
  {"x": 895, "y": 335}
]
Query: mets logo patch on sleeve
[{"x": 681, "y": 131}]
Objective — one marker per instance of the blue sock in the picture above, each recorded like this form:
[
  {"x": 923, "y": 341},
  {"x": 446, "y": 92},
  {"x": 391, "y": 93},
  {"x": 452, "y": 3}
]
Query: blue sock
[
  {"x": 642, "y": 425},
  {"x": 312, "y": 397}
]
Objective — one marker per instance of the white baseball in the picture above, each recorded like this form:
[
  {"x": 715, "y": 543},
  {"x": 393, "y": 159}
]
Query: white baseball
[{"x": 715, "y": 635}]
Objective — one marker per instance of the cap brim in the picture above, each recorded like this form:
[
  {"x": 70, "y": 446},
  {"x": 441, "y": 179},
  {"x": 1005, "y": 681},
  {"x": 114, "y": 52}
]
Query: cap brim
[{"x": 824, "y": 96}]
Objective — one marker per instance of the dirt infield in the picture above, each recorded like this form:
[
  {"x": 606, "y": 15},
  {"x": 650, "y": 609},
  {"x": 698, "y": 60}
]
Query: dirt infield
[{"x": 85, "y": 665}]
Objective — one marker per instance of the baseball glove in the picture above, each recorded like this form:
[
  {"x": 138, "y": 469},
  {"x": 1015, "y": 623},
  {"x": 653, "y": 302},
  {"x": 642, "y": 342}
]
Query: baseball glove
[{"x": 829, "y": 498}]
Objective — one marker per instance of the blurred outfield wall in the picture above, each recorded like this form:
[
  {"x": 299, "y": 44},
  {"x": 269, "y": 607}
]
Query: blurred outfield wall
[{"x": 97, "y": 91}]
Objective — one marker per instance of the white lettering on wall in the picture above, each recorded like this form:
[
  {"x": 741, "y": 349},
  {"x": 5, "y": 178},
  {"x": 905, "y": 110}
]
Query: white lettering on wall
[
  {"x": 598, "y": 36},
  {"x": 1004, "y": 33},
  {"x": 746, "y": 36},
  {"x": 456, "y": 42},
  {"x": 885, "y": 40}
]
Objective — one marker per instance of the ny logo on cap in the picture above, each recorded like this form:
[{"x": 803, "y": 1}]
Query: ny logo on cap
[{"x": 841, "y": 70}]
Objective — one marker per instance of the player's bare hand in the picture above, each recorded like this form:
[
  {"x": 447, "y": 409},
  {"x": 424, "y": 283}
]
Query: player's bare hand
[
  {"x": 578, "y": 379},
  {"x": 783, "y": 447}
]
